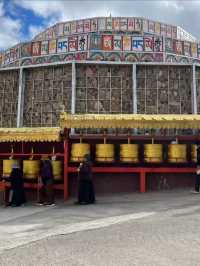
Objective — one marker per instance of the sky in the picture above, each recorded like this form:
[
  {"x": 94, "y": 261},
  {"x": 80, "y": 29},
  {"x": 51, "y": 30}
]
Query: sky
[{"x": 21, "y": 20}]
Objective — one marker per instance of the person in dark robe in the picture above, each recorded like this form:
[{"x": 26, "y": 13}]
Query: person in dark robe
[
  {"x": 198, "y": 153},
  {"x": 86, "y": 194},
  {"x": 46, "y": 194},
  {"x": 17, "y": 193},
  {"x": 197, "y": 178}
]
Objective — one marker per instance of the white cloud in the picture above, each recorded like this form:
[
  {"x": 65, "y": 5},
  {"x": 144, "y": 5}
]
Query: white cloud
[{"x": 10, "y": 30}]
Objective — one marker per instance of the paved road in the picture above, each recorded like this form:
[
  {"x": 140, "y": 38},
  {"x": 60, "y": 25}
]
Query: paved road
[{"x": 151, "y": 229}]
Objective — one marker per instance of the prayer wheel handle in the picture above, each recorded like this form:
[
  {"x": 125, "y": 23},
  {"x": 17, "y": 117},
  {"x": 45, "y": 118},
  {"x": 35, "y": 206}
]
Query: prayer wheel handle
[
  {"x": 11, "y": 153},
  {"x": 81, "y": 136},
  {"x": 104, "y": 137},
  {"x": 32, "y": 152},
  {"x": 129, "y": 137}
]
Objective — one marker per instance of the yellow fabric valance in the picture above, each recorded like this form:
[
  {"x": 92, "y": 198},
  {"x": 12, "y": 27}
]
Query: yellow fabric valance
[
  {"x": 130, "y": 121},
  {"x": 29, "y": 134}
]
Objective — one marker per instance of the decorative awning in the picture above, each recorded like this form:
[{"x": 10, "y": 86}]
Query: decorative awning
[
  {"x": 130, "y": 121},
  {"x": 29, "y": 134}
]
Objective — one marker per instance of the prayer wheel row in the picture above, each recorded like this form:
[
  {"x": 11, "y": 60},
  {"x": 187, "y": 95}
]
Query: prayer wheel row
[
  {"x": 31, "y": 168},
  {"x": 129, "y": 153}
]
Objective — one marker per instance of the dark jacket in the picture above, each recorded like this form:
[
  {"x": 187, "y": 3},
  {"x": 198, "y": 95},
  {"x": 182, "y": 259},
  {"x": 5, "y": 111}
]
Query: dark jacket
[
  {"x": 85, "y": 171},
  {"x": 46, "y": 172}
]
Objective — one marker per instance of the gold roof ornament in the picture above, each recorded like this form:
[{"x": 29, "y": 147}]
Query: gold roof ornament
[
  {"x": 37, "y": 134},
  {"x": 129, "y": 121}
]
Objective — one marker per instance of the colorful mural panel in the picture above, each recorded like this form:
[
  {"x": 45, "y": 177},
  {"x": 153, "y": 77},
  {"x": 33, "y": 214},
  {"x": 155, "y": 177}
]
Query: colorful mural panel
[
  {"x": 117, "y": 43},
  {"x": 109, "y": 23},
  {"x": 67, "y": 28},
  {"x": 101, "y": 24},
  {"x": 187, "y": 49},
  {"x": 158, "y": 44},
  {"x": 82, "y": 42},
  {"x": 163, "y": 30},
  {"x": 123, "y": 24},
  {"x": 138, "y": 44},
  {"x": 198, "y": 50},
  {"x": 157, "y": 28},
  {"x": 52, "y": 46},
  {"x": 79, "y": 26},
  {"x": 62, "y": 45},
  {"x": 86, "y": 25},
  {"x": 44, "y": 47},
  {"x": 169, "y": 45},
  {"x": 36, "y": 48},
  {"x": 72, "y": 43},
  {"x": 145, "y": 25},
  {"x": 95, "y": 42},
  {"x": 94, "y": 24},
  {"x": 26, "y": 50},
  {"x": 127, "y": 43},
  {"x": 60, "y": 29},
  {"x": 73, "y": 27},
  {"x": 131, "y": 24},
  {"x": 116, "y": 24},
  {"x": 194, "y": 49},
  {"x": 151, "y": 27},
  {"x": 148, "y": 44},
  {"x": 174, "y": 32},
  {"x": 178, "y": 47},
  {"x": 138, "y": 24},
  {"x": 107, "y": 42},
  {"x": 169, "y": 31}
]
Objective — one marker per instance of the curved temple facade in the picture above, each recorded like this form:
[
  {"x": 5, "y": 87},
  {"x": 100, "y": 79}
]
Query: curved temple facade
[{"x": 100, "y": 65}]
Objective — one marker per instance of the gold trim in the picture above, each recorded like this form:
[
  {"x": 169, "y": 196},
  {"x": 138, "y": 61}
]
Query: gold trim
[
  {"x": 29, "y": 134},
  {"x": 130, "y": 121}
]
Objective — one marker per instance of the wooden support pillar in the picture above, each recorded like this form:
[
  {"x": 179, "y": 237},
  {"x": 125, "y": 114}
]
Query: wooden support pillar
[{"x": 142, "y": 181}]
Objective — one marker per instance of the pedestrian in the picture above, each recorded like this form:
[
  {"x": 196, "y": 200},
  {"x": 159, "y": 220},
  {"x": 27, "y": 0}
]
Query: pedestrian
[
  {"x": 197, "y": 178},
  {"x": 17, "y": 193},
  {"x": 46, "y": 193},
  {"x": 198, "y": 153},
  {"x": 86, "y": 194}
]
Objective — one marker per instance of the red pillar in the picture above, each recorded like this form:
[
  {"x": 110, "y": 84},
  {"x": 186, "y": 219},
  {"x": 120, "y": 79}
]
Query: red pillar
[
  {"x": 66, "y": 183},
  {"x": 142, "y": 181}
]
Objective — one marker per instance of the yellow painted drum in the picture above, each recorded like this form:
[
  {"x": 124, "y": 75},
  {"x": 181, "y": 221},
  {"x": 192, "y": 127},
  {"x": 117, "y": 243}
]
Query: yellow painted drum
[
  {"x": 7, "y": 166},
  {"x": 31, "y": 169},
  {"x": 78, "y": 151},
  {"x": 177, "y": 153},
  {"x": 129, "y": 153},
  {"x": 153, "y": 153},
  {"x": 57, "y": 170},
  {"x": 105, "y": 153},
  {"x": 194, "y": 153}
]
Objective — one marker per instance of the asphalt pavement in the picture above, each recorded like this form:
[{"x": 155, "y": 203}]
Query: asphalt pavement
[{"x": 157, "y": 228}]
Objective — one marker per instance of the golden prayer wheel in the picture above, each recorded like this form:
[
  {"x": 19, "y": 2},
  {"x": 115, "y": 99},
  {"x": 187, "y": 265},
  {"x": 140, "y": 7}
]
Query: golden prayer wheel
[
  {"x": 105, "y": 153},
  {"x": 7, "y": 166},
  {"x": 177, "y": 153},
  {"x": 78, "y": 151},
  {"x": 194, "y": 153},
  {"x": 31, "y": 169},
  {"x": 129, "y": 153},
  {"x": 153, "y": 153},
  {"x": 57, "y": 169}
]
